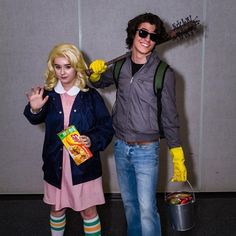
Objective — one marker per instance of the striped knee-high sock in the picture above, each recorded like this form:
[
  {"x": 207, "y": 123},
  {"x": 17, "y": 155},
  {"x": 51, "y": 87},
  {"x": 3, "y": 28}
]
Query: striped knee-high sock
[
  {"x": 92, "y": 227},
  {"x": 57, "y": 225}
]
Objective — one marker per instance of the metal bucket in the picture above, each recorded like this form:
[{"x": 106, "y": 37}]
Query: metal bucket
[{"x": 181, "y": 214}]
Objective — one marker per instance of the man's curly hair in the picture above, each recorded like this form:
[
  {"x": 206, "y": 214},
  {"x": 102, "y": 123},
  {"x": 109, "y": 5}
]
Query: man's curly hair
[{"x": 146, "y": 17}]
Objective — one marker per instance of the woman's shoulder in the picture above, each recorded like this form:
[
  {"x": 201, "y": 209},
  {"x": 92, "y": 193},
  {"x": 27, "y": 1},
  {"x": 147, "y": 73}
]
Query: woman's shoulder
[
  {"x": 48, "y": 92},
  {"x": 91, "y": 94},
  {"x": 92, "y": 91}
]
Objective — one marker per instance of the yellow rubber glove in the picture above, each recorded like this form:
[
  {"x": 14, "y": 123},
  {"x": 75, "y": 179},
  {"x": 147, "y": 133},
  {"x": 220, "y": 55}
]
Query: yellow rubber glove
[
  {"x": 179, "y": 168},
  {"x": 98, "y": 67}
]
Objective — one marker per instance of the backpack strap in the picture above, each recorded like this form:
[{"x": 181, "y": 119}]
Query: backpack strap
[
  {"x": 158, "y": 85},
  {"x": 117, "y": 69},
  {"x": 159, "y": 76}
]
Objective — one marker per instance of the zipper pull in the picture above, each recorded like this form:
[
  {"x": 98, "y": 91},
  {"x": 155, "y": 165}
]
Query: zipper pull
[{"x": 131, "y": 80}]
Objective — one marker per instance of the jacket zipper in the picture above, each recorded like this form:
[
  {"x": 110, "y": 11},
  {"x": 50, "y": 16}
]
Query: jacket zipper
[{"x": 131, "y": 81}]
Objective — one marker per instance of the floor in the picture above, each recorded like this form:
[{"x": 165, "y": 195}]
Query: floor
[{"x": 27, "y": 215}]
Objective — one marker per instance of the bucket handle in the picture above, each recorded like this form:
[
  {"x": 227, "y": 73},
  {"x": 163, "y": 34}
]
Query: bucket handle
[{"x": 190, "y": 186}]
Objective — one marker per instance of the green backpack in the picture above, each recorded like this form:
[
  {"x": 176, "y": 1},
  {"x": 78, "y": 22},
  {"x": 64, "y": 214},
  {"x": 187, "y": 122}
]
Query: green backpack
[{"x": 157, "y": 85}]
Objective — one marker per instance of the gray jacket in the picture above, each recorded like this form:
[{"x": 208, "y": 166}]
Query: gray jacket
[{"x": 135, "y": 109}]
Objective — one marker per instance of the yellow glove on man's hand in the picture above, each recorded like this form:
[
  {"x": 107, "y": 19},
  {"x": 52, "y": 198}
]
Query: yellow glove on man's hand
[
  {"x": 180, "y": 171},
  {"x": 98, "y": 67}
]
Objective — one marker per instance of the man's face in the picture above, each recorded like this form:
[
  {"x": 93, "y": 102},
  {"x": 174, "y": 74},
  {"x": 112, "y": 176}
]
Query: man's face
[{"x": 142, "y": 43}]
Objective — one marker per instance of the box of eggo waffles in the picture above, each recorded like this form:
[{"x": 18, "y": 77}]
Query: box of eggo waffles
[{"x": 70, "y": 137}]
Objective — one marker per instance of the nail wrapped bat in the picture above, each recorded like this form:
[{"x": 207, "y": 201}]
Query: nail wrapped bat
[{"x": 182, "y": 29}]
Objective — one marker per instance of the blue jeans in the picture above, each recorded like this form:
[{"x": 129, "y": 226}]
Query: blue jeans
[{"x": 137, "y": 172}]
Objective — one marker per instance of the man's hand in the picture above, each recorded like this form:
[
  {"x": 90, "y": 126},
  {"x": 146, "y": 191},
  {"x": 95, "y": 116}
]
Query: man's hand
[
  {"x": 179, "y": 168},
  {"x": 98, "y": 67}
]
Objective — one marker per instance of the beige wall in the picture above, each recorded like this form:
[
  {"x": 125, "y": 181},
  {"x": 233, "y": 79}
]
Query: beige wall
[{"x": 204, "y": 68}]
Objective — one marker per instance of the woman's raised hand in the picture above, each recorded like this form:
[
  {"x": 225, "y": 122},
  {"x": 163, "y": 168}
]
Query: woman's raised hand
[{"x": 35, "y": 98}]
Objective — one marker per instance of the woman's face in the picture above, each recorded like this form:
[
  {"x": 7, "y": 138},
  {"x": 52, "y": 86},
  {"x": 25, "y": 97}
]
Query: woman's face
[{"x": 64, "y": 72}]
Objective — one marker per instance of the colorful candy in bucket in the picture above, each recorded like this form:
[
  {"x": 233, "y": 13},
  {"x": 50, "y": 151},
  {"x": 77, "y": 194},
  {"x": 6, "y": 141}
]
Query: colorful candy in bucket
[
  {"x": 180, "y": 207},
  {"x": 179, "y": 198}
]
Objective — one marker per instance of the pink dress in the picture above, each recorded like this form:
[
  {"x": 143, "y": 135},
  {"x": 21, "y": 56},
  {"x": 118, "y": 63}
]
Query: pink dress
[{"x": 78, "y": 197}]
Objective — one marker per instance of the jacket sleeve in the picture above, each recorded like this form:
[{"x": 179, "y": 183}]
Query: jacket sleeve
[
  {"x": 105, "y": 80},
  {"x": 169, "y": 115},
  {"x": 102, "y": 132},
  {"x": 33, "y": 118}
]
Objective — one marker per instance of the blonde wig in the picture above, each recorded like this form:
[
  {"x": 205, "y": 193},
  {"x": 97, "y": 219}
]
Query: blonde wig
[{"x": 75, "y": 57}]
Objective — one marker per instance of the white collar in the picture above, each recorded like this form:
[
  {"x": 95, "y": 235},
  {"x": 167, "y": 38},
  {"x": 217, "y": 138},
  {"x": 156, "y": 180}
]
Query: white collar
[{"x": 72, "y": 91}]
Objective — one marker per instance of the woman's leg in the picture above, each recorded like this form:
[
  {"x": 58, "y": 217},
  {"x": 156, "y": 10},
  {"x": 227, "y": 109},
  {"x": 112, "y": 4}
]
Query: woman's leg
[
  {"x": 92, "y": 226},
  {"x": 57, "y": 222}
]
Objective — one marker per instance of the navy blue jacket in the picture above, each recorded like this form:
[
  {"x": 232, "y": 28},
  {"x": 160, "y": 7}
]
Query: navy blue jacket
[{"x": 91, "y": 118}]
